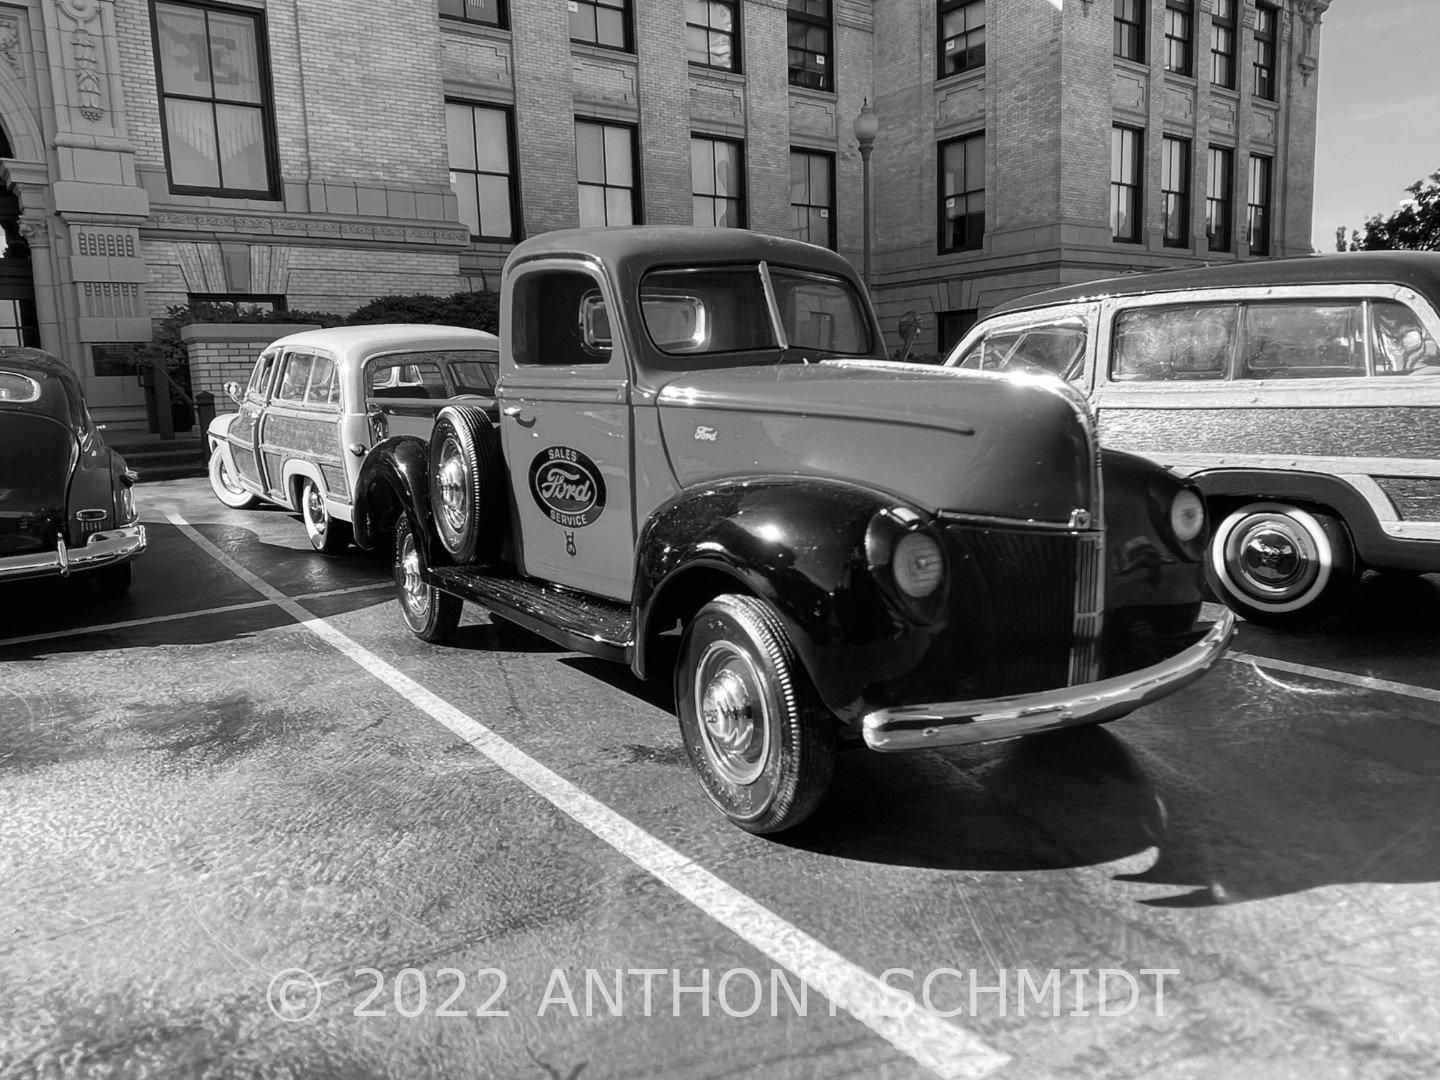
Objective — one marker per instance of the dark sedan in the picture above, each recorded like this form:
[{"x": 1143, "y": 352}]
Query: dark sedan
[{"x": 66, "y": 502}]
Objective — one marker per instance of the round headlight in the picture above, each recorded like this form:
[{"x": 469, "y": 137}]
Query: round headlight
[
  {"x": 1187, "y": 516},
  {"x": 917, "y": 565}
]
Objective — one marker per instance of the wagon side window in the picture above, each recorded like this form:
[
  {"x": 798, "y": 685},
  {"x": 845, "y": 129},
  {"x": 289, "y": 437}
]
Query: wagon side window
[
  {"x": 404, "y": 375},
  {"x": 296, "y": 377},
  {"x": 324, "y": 387},
  {"x": 1191, "y": 342},
  {"x": 1056, "y": 348},
  {"x": 260, "y": 377},
  {"x": 1400, "y": 343},
  {"x": 1315, "y": 339}
]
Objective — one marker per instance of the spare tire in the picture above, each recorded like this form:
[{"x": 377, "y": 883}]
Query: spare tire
[{"x": 467, "y": 484}]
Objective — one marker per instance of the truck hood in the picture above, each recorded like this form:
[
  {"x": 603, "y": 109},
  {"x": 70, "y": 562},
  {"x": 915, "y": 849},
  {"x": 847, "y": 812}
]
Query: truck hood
[
  {"x": 37, "y": 455},
  {"x": 939, "y": 438}
]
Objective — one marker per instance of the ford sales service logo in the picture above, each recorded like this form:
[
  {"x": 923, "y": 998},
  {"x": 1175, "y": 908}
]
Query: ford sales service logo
[{"x": 567, "y": 486}]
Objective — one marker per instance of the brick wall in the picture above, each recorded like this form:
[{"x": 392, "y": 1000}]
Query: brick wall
[{"x": 226, "y": 352}]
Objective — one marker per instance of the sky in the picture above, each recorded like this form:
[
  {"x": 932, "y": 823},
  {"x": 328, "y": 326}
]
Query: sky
[{"x": 1379, "y": 111}]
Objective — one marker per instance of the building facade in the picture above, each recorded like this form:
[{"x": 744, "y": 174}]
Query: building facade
[{"x": 312, "y": 156}]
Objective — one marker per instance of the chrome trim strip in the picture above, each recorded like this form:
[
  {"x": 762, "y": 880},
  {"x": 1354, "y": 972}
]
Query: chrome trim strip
[
  {"x": 104, "y": 548},
  {"x": 959, "y": 723},
  {"x": 774, "y": 306},
  {"x": 1425, "y": 468},
  {"x": 992, "y": 521}
]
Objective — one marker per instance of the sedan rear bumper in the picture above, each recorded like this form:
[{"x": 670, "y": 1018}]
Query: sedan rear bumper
[
  {"x": 957, "y": 723},
  {"x": 103, "y": 549}
]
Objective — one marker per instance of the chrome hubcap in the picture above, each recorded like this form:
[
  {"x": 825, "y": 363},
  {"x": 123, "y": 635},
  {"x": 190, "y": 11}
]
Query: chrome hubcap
[
  {"x": 415, "y": 592},
  {"x": 734, "y": 716},
  {"x": 1273, "y": 558},
  {"x": 315, "y": 510},
  {"x": 454, "y": 492},
  {"x": 228, "y": 482}
]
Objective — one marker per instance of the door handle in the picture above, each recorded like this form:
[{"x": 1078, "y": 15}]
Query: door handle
[{"x": 520, "y": 416}]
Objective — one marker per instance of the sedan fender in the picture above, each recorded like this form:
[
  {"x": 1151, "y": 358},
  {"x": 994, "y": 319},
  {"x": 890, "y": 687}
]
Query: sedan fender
[
  {"x": 394, "y": 479},
  {"x": 805, "y": 547}
]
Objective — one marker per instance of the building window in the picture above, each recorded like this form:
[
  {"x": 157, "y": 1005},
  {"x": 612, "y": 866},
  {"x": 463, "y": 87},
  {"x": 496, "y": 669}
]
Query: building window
[
  {"x": 484, "y": 12},
  {"x": 712, "y": 33},
  {"x": 215, "y": 109},
  {"x": 1222, "y": 44},
  {"x": 1258, "y": 216},
  {"x": 1175, "y": 190},
  {"x": 606, "y": 167},
  {"x": 239, "y": 302},
  {"x": 810, "y": 35},
  {"x": 962, "y": 193},
  {"x": 1220, "y": 198},
  {"x": 19, "y": 324},
  {"x": 1125, "y": 145},
  {"x": 1130, "y": 30},
  {"x": 1266, "y": 20},
  {"x": 601, "y": 22},
  {"x": 717, "y": 181},
  {"x": 812, "y": 197},
  {"x": 952, "y": 326},
  {"x": 482, "y": 168},
  {"x": 962, "y": 36},
  {"x": 1179, "y": 30}
]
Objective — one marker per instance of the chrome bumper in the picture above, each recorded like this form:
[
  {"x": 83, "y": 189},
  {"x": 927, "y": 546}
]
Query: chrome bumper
[
  {"x": 102, "y": 549},
  {"x": 957, "y": 723}
]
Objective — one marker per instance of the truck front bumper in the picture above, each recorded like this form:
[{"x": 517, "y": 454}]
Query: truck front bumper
[
  {"x": 102, "y": 549},
  {"x": 958, "y": 723}
]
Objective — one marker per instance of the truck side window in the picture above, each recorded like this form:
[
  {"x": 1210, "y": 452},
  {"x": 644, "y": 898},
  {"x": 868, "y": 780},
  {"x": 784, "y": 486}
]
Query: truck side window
[
  {"x": 1190, "y": 342},
  {"x": 549, "y": 325},
  {"x": 1401, "y": 345},
  {"x": 1304, "y": 340}
]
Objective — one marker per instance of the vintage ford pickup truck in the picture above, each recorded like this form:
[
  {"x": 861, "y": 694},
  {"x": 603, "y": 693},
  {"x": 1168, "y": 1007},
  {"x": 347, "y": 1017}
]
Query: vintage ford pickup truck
[{"x": 700, "y": 462}]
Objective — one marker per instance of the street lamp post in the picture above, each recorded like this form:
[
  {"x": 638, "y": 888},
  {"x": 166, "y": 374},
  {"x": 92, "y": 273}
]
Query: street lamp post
[{"x": 866, "y": 127}]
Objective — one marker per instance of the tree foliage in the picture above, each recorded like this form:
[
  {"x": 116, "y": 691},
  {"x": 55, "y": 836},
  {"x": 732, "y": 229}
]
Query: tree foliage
[{"x": 1413, "y": 226}]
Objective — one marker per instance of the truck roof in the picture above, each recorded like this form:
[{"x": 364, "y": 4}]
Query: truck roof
[
  {"x": 1418, "y": 270},
  {"x": 637, "y": 248}
]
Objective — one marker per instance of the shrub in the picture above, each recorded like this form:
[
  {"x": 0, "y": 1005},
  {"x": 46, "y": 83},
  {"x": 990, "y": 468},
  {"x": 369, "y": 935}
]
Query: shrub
[{"x": 476, "y": 310}]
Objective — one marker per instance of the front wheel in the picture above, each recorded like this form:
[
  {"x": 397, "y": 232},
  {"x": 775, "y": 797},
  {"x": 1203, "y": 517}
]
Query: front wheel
[
  {"x": 430, "y": 614},
  {"x": 227, "y": 489},
  {"x": 328, "y": 534},
  {"x": 754, "y": 728},
  {"x": 1279, "y": 565}
]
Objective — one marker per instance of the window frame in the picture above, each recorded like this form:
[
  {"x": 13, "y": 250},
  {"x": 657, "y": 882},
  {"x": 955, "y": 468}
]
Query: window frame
[
  {"x": 943, "y": 8},
  {"x": 276, "y": 300},
  {"x": 1267, "y": 206},
  {"x": 269, "y": 139},
  {"x": 1137, "y": 186},
  {"x": 627, "y": 11},
  {"x": 637, "y": 205},
  {"x": 1137, "y": 24},
  {"x": 1266, "y": 44},
  {"x": 1219, "y": 27},
  {"x": 827, "y": 23},
  {"x": 502, "y": 15},
  {"x": 1184, "y": 9},
  {"x": 517, "y": 218},
  {"x": 831, "y": 216},
  {"x": 735, "y": 34},
  {"x": 1182, "y": 194},
  {"x": 1213, "y": 201},
  {"x": 943, "y": 246},
  {"x": 740, "y": 200}
]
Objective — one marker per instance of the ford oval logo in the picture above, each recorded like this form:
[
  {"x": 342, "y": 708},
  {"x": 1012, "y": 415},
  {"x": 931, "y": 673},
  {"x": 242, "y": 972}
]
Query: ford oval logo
[{"x": 567, "y": 486}]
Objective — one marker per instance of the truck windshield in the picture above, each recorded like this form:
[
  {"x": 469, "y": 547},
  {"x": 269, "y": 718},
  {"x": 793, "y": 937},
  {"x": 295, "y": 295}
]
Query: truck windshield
[{"x": 723, "y": 314}]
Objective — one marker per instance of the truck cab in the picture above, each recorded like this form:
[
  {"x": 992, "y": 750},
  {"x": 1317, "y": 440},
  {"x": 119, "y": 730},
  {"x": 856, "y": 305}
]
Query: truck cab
[{"x": 703, "y": 466}]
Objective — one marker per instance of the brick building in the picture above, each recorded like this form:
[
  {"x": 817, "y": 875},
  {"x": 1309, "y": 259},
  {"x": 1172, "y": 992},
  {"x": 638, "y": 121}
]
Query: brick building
[{"x": 314, "y": 155}]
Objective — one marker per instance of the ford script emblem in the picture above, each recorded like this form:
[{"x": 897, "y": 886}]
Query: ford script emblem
[{"x": 567, "y": 486}]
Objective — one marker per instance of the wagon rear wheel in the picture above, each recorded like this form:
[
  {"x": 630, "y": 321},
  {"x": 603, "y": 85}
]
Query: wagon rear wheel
[
  {"x": 328, "y": 534},
  {"x": 467, "y": 484}
]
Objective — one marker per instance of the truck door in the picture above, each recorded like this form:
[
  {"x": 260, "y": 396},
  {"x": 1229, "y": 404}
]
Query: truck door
[{"x": 565, "y": 423}]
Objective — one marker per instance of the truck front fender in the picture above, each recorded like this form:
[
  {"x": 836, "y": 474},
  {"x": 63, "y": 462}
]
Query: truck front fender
[
  {"x": 797, "y": 544},
  {"x": 394, "y": 479}
]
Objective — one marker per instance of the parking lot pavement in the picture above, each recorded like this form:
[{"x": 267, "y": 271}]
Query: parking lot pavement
[{"x": 209, "y": 803}]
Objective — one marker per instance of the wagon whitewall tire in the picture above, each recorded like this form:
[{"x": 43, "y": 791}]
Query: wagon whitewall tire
[
  {"x": 755, "y": 731},
  {"x": 327, "y": 533},
  {"x": 1281, "y": 565},
  {"x": 226, "y": 487}
]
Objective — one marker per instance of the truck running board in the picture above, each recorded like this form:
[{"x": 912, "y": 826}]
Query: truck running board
[{"x": 572, "y": 620}]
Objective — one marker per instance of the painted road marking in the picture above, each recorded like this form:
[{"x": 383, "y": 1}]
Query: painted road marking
[
  {"x": 104, "y": 628},
  {"x": 944, "y": 1048},
  {"x": 1364, "y": 682}
]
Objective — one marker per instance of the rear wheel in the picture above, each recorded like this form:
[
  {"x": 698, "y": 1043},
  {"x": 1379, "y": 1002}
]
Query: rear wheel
[
  {"x": 755, "y": 731},
  {"x": 467, "y": 484},
  {"x": 430, "y": 614},
  {"x": 327, "y": 533},
  {"x": 227, "y": 489},
  {"x": 1280, "y": 565},
  {"x": 113, "y": 581}
]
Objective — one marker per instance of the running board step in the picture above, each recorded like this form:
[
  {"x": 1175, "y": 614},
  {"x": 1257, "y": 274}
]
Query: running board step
[{"x": 572, "y": 620}]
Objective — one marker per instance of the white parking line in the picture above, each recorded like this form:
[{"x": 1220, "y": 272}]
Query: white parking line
[
  {"x": 103, "y": 628},
  {"x": 947, "y": 1050},
  {"x": 1364, "y": 682}
]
